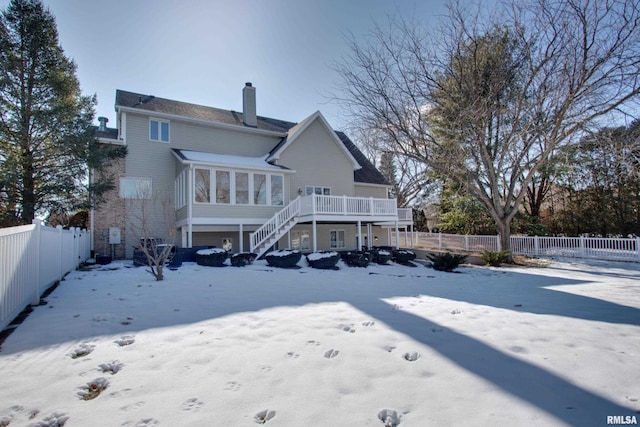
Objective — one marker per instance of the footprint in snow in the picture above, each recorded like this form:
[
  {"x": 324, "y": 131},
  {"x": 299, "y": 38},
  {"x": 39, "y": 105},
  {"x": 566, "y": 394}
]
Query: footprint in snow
[
  {"x": 292, "y": 355},
  {"x": 93, "y": 389},
  {"x": 111, "y": 367},
  {"x": 125, "y": 340},
  {"x": 145, "y": 422},
  {"x": 412, "y": 356},
  {"x": 81, "y": 351},
  {"x": 57, "y": 419},
  {"x": 330, "y": 354},
  {"x": 264, "y": 416},
  {"x": 348, "y": 328},
  {"x": 192, "y": 404},
  {"x": 233, "y": 386},
  {"x": 389, "y": 417},
  {"x": 370, "y": 323}
]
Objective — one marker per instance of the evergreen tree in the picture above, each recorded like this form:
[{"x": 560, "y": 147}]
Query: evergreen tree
[{"x": 46, "y": 134}]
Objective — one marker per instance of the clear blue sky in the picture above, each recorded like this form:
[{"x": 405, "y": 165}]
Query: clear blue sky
[{"x": 203, "y": 51}]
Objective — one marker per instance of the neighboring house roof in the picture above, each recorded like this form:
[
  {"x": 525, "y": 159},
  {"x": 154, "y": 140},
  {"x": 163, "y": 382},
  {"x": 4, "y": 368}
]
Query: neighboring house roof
[
  {"x": 244, "y": 162},
  {"x": 364, "y": 171}
]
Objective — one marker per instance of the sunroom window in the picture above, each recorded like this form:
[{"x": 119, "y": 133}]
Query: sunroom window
[
  {"x": 259, "y": 189},
  {"x": 203, "y": 186},
  {"x": 277, "y": 190},
  {"x": 223, "y": 187}
]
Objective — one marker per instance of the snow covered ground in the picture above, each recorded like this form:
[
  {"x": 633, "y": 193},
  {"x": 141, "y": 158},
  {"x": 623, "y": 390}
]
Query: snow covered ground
[{"x": 355, "y": 347}]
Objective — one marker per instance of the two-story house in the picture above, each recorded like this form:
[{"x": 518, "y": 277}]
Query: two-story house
[{"x": 241, "y": 181}]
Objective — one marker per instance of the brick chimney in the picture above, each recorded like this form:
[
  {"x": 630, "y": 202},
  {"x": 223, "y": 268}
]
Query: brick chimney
[{"x": 249, "y": 116}]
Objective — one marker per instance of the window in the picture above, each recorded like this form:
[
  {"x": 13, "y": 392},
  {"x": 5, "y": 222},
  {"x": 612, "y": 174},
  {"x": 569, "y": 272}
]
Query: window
[
  {"x": 259, "y": 189},
  {"x": 336, "y": 238},
  {"x": 158, "y": 130},
  {"x": 223, "y": 187},
  {"x": 203, "y": 186},
  {"x": 300, "y": 240},
  {"x": 135, "y": 188},
  {"x": 277, "y": 190},
  {"x": 242, "y": 188},
  {"x": 323, "y": 191}
]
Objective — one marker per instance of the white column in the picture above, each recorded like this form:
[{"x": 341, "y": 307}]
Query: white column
[
  {"x": 359, "y": 248},
  {"x": 241, "y": 246},
  {"x": 190, "y": 181},
  {"x": 289, "y": 238},
  {"x": 397, "y": 236},
  {"x": 315, "y": 236},
  {"x": 369, "y": 236},
  {"x": 406, "y": 236},
  {"x": 412, "y": 232}
]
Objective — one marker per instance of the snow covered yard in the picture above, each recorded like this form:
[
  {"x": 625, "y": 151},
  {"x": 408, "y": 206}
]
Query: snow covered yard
[{"x": 355, "y": 347}]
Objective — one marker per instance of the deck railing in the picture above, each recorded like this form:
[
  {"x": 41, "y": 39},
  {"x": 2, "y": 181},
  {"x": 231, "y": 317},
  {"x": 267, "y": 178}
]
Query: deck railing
[{"x": 344, "y": 205}]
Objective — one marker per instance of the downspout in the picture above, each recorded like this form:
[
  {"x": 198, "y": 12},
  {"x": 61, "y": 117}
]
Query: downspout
[{"x": 190, "y": 181}]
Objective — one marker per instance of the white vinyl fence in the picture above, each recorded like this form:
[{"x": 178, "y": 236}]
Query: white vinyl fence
[
  {"x": 32, "y": 258},
  {"x": 578, "y": 247}
]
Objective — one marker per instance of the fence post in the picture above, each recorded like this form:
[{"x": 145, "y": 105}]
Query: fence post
[
  {"x": 35, "y": 300},
  {"x": 536, "y": 245},
  {"x": 499, "y": 244},
  {"x": 582, "y": 246},
  {"x": 466, "y": 242},
  {"x": 638, "y": 247},
  {"x": 439, "y": 240},
  {"x": 61, "y": 240}
]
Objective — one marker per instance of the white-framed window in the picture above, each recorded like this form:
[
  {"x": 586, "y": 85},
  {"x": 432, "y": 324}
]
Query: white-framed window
[
  {"x": 202, "y": 184},
  {"x": 300, "y": 240},
  {"x": 181, "y": 196},
  {"x": 242, "y": 188},
  {"x": 158, "y": 130},
  {"x": 277, "y": 190},
  {"x": 223, "y": 186},
  {"x": 336, "y": 239},
  {"x": 313, "y": 189},
  {"x": 259, "y": 189},
  {"x": 135, "y": 188},
  {"x": 237, "y": 187}
]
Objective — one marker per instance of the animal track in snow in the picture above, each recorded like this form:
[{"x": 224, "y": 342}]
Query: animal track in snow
[
  {"x": 292, "y": 355},
  {"x": 265, "y": 368},
  {"x": 233, "y": 386},
  {"x": 456, "y": 311},
  {"x": 389, "y": 348},
  {"x": 111, "y": 367},
  {"x": 412, "y": 356},
  {"x": 264, "y": 416},
  {"x": 348, "y": 328},
  {"x": 93, "y": 389},
  {"x": 136, "y": 405},
  {"x": 389, "y": 417},
  {"x": 145, "y": 422},
  {"x": 125, "y": 340},
  {"x": 330, "y": 354},
  {"x": 57, "y": 419},
  {"x": 369, "y": 323},
  {"x": 313, "y": 343},
  {"x": 81, "y": 351},
  {"x": 192, "y": 404}
]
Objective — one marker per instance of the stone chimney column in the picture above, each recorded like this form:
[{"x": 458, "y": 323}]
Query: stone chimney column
[{"x": 249, "y": 116}]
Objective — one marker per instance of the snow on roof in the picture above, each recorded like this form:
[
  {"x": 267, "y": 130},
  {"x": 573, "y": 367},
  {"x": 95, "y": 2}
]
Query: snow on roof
[{"x": 229, "y": 160}]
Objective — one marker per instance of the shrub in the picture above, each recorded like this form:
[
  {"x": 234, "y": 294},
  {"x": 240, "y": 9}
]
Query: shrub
[
  {"x": 495, "y": 258},
  {"x": 243, "y": 258},
  {"x": 324, "y": 260},
  {"x": 283, "y": 258},
  {"x": 213, "y": 257},
  {"x": 356, "y": 258},
  {"x": 446, "y": 262},
  {"x": 381, "y": 256},
  {"x": 403, "y": 256}
]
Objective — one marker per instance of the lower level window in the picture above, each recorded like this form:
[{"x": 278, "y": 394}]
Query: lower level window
[
  {"x": 300, "y": 240},
  {"x": 336, "y": 239}
]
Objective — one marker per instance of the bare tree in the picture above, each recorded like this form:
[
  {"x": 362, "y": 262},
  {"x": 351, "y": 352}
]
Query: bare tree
[
  {"x": 152, "y": 222},
  {"x": 488, "y": 98}
]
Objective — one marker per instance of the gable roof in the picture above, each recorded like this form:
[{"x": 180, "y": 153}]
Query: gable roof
[
  {"x": 364, "y": 171},
  {"x": 299, "y": 128},
  {"x": 168, "y": 106}
]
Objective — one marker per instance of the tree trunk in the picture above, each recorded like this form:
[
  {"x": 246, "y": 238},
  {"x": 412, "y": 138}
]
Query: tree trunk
[{"x": 504, "y": 231}]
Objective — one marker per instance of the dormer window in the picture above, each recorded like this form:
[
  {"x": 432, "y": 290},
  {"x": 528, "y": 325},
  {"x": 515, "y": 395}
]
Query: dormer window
[{"x": 158, "y": 130}]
